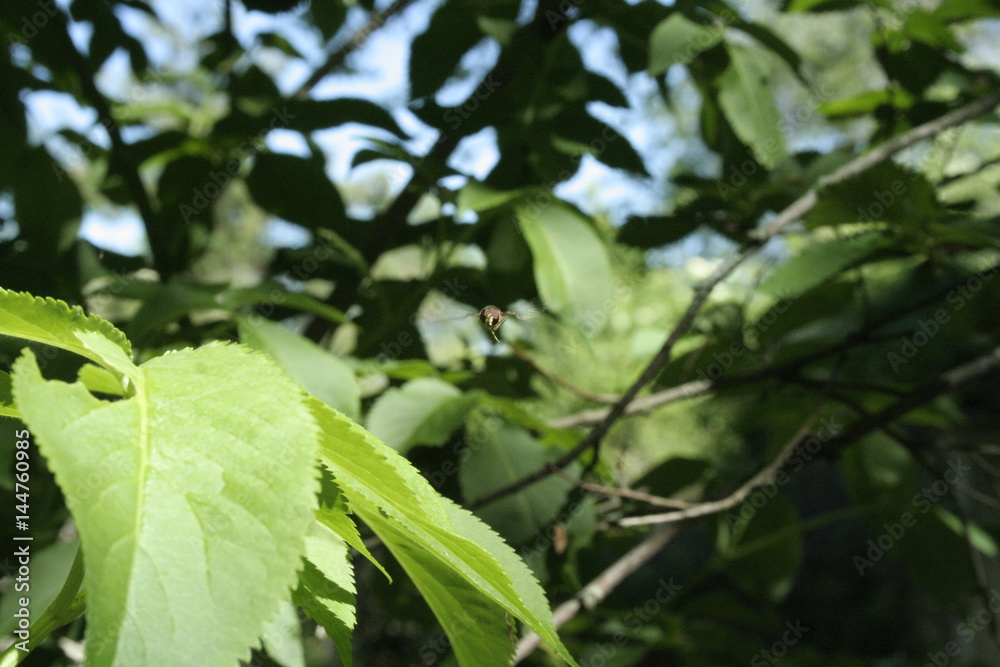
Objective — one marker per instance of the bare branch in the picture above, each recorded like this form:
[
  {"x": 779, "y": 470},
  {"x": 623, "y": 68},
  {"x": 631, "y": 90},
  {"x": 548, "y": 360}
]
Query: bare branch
[
  {"x": 624, "y": 493},
  {"x": 598, "y": 589},
  {"x": 765, "y": 476},
  {"x": 337, "y": 58},
  {"x": 948, "y": 381}
]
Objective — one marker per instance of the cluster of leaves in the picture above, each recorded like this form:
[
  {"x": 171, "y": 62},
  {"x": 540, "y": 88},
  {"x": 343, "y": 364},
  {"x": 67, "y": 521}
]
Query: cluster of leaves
[{"x": 208, "y": 453}]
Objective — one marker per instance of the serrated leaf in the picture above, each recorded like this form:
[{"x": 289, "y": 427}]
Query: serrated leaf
[
  {"x": 677, "y": 39},
  {"x": 418, "y": 525},
  {"x": 191, "y": 531},
  {"x": 326, "y": 586},
  {"x": 748, "y": 103},
  {"x": 571, "y": 263},
  {"x": 425, "y": 411},
  {"x": 817, "y": 263},
  {"x": 54, "y": 323},
  {"x": 322, "y": 374}
]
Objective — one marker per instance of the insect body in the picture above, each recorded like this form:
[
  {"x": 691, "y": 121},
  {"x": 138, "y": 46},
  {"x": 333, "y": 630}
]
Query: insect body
[{"x": 492, "y": 318}]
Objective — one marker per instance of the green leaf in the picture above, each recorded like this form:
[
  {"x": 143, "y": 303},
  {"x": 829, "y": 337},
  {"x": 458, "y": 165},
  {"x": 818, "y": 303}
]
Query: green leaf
[
  {"x": 6, "y": 397},
  {"x": 425, "y": 411},
  {"x": 430, "y": 535},
  {"x": 888, "y": 192},
  {"x": 191, "y": 496},
  {"x": 748, "y": 103},
  {"x": 282, "y": 637},
  {"x": 904, "y": 517},
  {"x": 818, "y": 263},
  {"x": 326, "y": 585},
  {"x": 571, "y": 262},
  {"x": 866, "y": 103},
  {"x": 307, "y": 115},
  {"x": 475, "y": 196},
  {"x": 321, "y": 373},
  {"x": 54, "y": 323},
  {"x": 273, "y": 294},
  {"x": 500, "y": 455},
  {"x": 295, "y": 189},
  {"x": 679, "y": 40},
  {"x": 762, "y": 546},
  {"x": 165, "y": 304},
  {"x": 436, "y": 52}
]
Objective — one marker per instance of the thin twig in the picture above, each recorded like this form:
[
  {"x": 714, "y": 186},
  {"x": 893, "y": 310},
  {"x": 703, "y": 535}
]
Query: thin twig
[
  {"x": 659, "y": 501},
  {"x": 762, "y": 478},
  {"x": 758, "y": 238},
  {"x": 949, "y": 380},
  {"x": 698, "y": 387},
  {"x": 360, "y": 36},
  {"x": 602, "y": 585},
  {"x": 555, "y": 379}
]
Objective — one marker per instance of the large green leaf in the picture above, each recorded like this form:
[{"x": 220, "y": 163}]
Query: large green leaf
[
  {"x": 319, "y": 372},
  {"x": 430, "y": 535},
  {"x": 425, "y": 411},
  {"x": 748, "y": 103},
  {"x": 571, "y": 263},
  {"x": 54, "y": 323},
  {"x": 192, "y": 497}
]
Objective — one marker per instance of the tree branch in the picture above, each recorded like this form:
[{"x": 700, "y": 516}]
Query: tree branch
[
  {"x": 762, "y": 478},
  {"x": 949, "y": 380},
  {"x": 599, "y": 588},
  {"x": 698, "y": 387},
  {"x": 758, "y": 238},
  {"x": 360, "y": 36},
  {"x": 119, "y": 155}
]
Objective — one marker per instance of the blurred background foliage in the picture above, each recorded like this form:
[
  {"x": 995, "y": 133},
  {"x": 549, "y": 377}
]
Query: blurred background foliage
[{"x": 369, "y": 176}]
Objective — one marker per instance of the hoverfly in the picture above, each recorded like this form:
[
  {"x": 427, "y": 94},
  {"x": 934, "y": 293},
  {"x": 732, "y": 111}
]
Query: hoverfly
[{"x": 492, "y": 318}]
